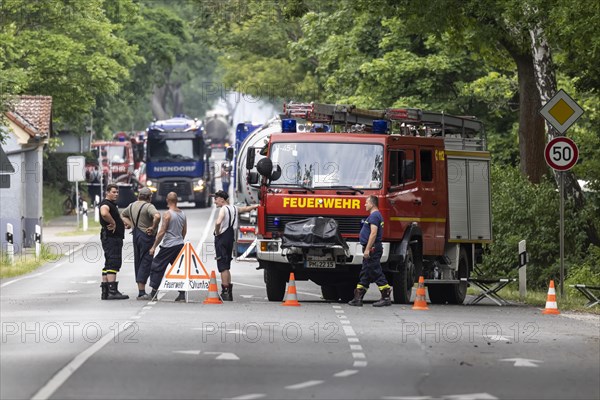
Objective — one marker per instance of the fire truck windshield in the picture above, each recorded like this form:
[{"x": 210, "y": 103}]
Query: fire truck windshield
[
  {"x": 112, "y": 154},
  {"x": 173, "y": 150},
  {"x": 329, "y": 165}
]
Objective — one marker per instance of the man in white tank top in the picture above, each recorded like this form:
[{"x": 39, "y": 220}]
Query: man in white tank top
[
  {"x": 172, "y": 234},
  {"x": 224, "y": 238}
]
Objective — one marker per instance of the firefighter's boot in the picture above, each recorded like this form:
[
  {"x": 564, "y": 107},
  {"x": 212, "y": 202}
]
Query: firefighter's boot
[
  {"x": 104, "y": 287},
  {"x": 226, "y": 294},
  {"x": 385, "y": 298},
  {"x": 357, "y": 301},
  {"x": 113, "y": 292}
]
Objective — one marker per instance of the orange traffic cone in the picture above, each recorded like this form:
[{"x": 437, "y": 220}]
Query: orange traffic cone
[
  {"x": 551, "y": 307},
  {"x": 291, "y": 299},
  {"x": 213, "y": 292},
  {"x": 420, "y": 301}
]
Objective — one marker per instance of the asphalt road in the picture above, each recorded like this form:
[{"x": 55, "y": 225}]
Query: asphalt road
[{"x": 59, "y": 340}]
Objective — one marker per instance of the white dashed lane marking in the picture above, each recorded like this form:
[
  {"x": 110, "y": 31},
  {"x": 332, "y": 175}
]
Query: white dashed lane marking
[
  {"x": 360, "y": 358},
  {"x": 303, "y": 385},
  {"x": 345, "y": 373},
  {"x": 349, "y": 331},
  {"x": 251, "y": 396}
]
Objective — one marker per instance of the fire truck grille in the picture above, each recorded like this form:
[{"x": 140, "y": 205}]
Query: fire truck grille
[
  {"x": 346, "y": 225},
  {"x": 182, "y": 188}
]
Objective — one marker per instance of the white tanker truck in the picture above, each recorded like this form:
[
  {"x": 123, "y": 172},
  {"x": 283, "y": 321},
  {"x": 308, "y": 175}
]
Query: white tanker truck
[
  {"x": 245, "y": 194},
  {"x": 217, "y": 129}
]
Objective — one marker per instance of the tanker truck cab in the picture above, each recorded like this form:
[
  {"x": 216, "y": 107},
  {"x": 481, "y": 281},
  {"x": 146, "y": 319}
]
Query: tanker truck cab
[
  {"x": 178, "y": 161},
  {"x": 435, "y": 223}
]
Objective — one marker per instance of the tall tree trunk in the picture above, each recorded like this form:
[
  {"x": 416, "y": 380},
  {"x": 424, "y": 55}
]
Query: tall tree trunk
[
  {"x": 531, "y": 125},
  {"x": 158, "y": 102},
  {"x": 177, "y": 98},
  {"x": 546, "y": 84}
]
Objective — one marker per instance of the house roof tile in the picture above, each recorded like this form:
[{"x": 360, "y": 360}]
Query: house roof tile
[{"x": 34, "y": 113}]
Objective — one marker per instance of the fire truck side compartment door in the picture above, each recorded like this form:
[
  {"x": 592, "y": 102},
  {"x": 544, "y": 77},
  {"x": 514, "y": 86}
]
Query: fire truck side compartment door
[
  {"x": 469, "y": 198},
  {"x": 479, "y": 200},
  {"x": 457, "y": 198}
]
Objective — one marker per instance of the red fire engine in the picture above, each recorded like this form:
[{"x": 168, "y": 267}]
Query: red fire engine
[{"x": 430, "y": 172}]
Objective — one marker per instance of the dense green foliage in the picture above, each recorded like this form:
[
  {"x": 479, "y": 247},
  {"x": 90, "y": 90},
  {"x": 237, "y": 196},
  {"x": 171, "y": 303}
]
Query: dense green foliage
[
  {"x": 118, "y": 63},
  {"x": 69, "y": 50},
  {"x": 102, "y": 61},
  {"x": 524, "y": 211},
  {"x": 457, "y": 56}
]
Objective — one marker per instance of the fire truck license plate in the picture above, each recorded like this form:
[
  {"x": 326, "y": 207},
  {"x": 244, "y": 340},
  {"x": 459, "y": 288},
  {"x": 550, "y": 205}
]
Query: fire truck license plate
[
  {"x": 320, "y": 264},
  {"x": 246, "y": 237}
]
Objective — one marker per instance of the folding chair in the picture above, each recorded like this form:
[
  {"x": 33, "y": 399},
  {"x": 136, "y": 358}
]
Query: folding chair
[
  {"x": 587, "y": 292},
  {"x": 490, "y": 288}
]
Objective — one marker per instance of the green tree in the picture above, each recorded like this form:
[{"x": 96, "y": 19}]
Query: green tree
[
  {"x": 68, "y": 50},
  {"x": 253, "y": 39},
  {"x": 175, "y": 55}
]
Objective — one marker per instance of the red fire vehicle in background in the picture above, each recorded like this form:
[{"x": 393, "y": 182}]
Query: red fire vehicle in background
[
  {"x": 430, "y": 172},
  {"x": 119, "y": 158},
  {"x": 116, "y": 156}
]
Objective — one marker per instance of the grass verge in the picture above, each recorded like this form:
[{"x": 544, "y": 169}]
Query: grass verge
[
  {"x": 25, "y": 263},
  {"x": 572, "y": 300}
]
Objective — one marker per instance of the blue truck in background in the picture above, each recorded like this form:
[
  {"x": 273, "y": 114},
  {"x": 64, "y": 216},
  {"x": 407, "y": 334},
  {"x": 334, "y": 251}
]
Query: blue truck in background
[
  {"x": 178, "y": 160},
  {"x": 242, "y": 131}
]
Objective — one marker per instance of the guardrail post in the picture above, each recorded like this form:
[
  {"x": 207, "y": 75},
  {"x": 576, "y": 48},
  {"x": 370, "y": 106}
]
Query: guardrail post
[
  {"x": 85, "y": 216},
  {"x": 38, "y": 241},
  {"x": 97, "y": 209},
  {"x": 10, "y": 246},
  {"x": 523, "y": 259}
]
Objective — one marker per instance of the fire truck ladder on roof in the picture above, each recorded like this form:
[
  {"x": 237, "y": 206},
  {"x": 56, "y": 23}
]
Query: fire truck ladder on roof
[{"x": 338, "y": 114}]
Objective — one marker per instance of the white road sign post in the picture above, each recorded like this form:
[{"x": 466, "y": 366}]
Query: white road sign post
[
  {"x": 76, "y": 173},
  {"x": 561, "y": 111},
  {"x": 561, "y": 154}
]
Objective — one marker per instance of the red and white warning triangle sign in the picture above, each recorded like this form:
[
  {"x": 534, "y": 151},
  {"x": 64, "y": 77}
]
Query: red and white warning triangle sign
[{"x": 187, "y": 273}]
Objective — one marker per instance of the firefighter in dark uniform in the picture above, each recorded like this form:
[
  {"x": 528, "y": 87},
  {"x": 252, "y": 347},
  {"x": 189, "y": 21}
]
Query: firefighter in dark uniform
[
  {"x": 370, "y": 239},
  {"x": 111, "y": 235},
  {"x": 224, "y": 232}
]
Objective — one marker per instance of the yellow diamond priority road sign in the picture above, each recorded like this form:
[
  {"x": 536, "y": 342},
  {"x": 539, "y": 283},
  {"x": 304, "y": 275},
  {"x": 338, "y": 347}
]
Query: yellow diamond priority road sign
[{"x": 561, "y": 111}]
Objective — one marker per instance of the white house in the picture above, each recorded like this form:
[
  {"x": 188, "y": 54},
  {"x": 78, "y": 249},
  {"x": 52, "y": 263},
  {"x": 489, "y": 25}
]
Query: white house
[{"x": 29, "y": 127}]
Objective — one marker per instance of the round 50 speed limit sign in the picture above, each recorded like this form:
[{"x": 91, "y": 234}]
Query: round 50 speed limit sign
[{"x": 561, "y": 153}]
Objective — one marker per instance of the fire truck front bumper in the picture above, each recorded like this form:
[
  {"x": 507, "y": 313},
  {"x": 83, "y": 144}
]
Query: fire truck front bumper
[{"x": 270, "y": 250}]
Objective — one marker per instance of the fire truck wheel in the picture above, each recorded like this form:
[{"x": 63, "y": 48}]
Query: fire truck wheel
[
  {"x": 438, "y": 293},
  {"x": 202, "y": 201},
  {"x": 451, "y": 293},
  {"x": 275, "y": 282},
  {"x": 329, "y": 293},
  {"x": 404, "y": 279}
]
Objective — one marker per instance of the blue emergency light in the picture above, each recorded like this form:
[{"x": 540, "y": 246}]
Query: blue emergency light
[
  {"x": 288, "y": 125},
  {"x": 380, "y": 126}
]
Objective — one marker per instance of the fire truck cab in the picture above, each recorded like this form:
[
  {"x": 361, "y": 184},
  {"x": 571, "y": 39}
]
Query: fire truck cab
[{"x": 429, "y": 171}]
